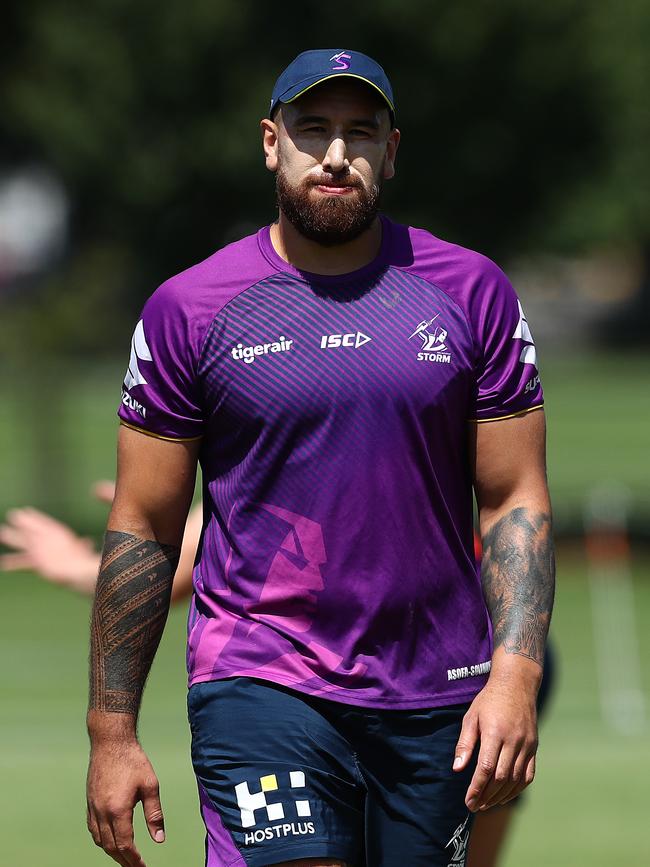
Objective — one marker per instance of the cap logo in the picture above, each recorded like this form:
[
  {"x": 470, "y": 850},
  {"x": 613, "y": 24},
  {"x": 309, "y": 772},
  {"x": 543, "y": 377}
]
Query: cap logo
[{"x": 342, "y": 59}]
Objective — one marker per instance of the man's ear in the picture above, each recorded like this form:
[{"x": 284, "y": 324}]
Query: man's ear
[
  {"x": 391, "y": 153},
  {"x": 270, "y": 143}
]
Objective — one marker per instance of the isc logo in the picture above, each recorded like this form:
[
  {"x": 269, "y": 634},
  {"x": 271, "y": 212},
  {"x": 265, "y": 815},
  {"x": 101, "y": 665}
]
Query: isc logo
[{"x": 333, "y": 341}]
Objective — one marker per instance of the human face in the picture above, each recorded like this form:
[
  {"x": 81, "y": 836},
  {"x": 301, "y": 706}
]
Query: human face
[{"x": 331, "y": 150}]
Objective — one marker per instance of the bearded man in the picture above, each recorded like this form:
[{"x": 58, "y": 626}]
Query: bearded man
[{"x": 356, "y": 693}]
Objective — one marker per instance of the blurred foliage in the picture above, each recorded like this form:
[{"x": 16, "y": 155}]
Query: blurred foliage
[{"x": 525, "y": 126}]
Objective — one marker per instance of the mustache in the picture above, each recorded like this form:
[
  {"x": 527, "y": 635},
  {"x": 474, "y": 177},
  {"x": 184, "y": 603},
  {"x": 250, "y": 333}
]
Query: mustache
[{"x": 334, "y": 181}]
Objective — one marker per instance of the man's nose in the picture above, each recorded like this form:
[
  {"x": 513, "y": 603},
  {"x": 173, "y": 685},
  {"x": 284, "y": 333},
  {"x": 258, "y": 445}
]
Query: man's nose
[{"x": 335, "y": 159}]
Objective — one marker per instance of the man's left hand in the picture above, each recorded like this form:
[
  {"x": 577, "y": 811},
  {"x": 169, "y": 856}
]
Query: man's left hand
[{"x": 503, "y": 718}]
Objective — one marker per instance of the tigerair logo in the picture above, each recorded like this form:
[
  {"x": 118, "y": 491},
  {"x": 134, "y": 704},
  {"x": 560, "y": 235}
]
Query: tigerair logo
[
  {"x": 353, "y": 339},
  {"x": 251, "y": 803},
  {"x": 248, "y": 354},
  {"x": 459, "y": 841},
  {"x": 433, "y": 339}
]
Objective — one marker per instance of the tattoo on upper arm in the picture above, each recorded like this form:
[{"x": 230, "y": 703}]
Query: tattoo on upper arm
[
  {"x": 518, "y": 577},
  {"x": 129, "y": 614}
]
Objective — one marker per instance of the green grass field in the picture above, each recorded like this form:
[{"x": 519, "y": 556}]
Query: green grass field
[{"x": 588, "y": 806}]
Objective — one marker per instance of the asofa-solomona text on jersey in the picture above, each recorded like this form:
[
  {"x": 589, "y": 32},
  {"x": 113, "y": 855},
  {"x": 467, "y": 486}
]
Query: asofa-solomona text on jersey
[{"x": 336, "y": 556}]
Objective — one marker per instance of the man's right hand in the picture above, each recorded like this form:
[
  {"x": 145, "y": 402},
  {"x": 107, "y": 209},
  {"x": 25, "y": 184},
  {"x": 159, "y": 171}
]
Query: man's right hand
[
  {"x": 155, "y": 483},
  {"x": 120, "y": 775}
]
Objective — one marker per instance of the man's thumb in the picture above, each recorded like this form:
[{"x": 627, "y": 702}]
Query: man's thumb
[{"x": 153, "y": 816}]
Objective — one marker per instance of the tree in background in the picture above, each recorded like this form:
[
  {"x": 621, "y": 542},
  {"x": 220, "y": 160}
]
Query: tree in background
[{"x": 526, "y": 128}]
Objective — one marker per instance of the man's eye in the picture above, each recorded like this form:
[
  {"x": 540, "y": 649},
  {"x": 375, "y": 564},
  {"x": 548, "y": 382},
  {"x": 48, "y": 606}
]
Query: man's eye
[
  {"x": 360, "y": 132},
  {"x": 317, "y": 129}
]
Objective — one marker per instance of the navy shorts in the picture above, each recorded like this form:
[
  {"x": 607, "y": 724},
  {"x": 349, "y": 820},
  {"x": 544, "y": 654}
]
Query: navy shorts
[{"x": 284, "y": 776}]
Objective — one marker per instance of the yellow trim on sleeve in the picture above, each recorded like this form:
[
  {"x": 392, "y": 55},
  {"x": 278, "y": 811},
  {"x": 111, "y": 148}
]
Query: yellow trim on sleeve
[
  {"x": 342, "y": 75},
  {"x": 512, "y": 415},
  {"x": 159, "y": 436}
]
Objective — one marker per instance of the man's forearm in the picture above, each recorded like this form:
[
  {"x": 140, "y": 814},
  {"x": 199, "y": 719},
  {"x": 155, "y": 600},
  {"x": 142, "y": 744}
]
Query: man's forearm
[
  {"x": 129, "y": 614},
  {"x": 518, "y": 577}
]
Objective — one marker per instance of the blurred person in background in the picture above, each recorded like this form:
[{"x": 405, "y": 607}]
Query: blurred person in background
[
  {"x": 53, "y": 550},
  {"x": 344, "y": 380}
]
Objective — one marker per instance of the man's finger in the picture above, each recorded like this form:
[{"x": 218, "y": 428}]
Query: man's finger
[
  {"x": 28, "y": 518},
  {"x": 502, "y": 777},
  {"x": 12, "y": 562},
  {"x": 123, "y": 835},
  {"x": 12, "y": 536},
  {"x": 153, "y": 814},
  {"x": 529, "y": 776},
  {"x": 518, "y": 783},
  {"x": 16, "y": 517},
  {"x": 526, "y": 780},
  {"x": 104, "y": 491},
  {"x": 93, "y": 828},
  {"x": 466, "y": 742},
  {"x": 507, "y": 793},
  {"x": 108, "y": 844},
  {"x": 485, "y": 767}
]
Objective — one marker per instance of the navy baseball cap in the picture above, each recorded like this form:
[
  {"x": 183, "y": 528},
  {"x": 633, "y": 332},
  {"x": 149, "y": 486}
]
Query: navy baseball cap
[{"x": 312, "y": 67}]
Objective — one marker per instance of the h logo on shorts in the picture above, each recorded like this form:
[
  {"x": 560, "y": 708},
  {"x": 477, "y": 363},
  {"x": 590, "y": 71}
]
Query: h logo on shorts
[{"x": 250, "y": 802}]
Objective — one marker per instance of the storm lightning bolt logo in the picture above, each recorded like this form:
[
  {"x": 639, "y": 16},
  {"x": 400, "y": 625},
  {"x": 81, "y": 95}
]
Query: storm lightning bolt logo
[
  {"x": 459, "y": 841},
  {"x": 343, "y": 59},
  {"x": 432, "y": 341}
]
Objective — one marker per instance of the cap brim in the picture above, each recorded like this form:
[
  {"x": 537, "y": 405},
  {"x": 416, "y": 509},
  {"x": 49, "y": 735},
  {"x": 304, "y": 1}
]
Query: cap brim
[{"x": 307, "y": 84}]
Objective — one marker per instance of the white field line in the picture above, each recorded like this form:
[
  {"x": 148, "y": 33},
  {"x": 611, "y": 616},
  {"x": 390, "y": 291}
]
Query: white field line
[{"x": 618, "y": 662}]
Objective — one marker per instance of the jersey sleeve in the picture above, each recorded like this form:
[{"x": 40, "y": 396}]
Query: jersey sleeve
[
  {"x": 161, "y": 394},
  {"x": 507, "y": 379}
]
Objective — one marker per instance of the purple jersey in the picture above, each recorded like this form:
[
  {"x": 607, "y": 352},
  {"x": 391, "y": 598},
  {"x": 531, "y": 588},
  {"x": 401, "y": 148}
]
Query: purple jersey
[{"x": 336, "y": 556}]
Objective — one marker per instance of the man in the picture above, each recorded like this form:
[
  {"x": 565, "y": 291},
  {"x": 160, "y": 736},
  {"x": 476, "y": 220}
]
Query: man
[{"x": 343, "y": 380}]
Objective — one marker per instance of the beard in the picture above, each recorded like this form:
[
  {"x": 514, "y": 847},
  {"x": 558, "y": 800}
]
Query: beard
[{"x": 328, "y": 220}]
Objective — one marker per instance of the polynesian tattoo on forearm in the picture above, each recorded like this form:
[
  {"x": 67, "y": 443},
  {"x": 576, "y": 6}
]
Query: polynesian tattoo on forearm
[
  {"x": 129, "y": 613},
  {"x": 518, "y": 577}
]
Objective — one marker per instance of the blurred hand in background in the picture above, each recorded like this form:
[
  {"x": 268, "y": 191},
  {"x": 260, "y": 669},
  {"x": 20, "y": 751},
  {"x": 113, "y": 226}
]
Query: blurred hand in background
[
  {"x": 50, "y": 548},
  {"x": 53, "y": 550}
]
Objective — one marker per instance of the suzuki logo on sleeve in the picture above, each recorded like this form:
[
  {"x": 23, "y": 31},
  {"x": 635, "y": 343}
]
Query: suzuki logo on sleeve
[{"x": 353, "y": 339}]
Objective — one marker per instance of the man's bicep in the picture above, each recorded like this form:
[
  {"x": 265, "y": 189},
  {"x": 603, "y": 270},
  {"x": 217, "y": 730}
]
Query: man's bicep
[
  {"x": 155, "y": 484},
  {"x": 509, "y": 460}
]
